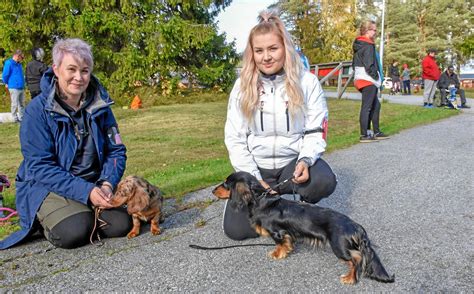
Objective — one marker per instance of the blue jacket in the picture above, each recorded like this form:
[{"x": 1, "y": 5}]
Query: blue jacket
[
  {"x": 48, "y": 145},
  {"x": 13, "y": 75}
]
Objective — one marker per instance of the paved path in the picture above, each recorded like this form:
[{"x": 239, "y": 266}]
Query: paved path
[
  {"x": 412, "y": 193},
  {"x": 400, "y": 99}
]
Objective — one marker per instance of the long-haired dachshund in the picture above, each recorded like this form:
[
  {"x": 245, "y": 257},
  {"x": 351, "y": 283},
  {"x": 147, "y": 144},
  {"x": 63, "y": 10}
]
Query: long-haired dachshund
[
  {"x": 144, "y": 202},
  {"x": 289, "y": 221}
]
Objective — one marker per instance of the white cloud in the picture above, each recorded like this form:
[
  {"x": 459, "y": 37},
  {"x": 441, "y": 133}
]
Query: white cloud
[{"x": 239, "y": 18}]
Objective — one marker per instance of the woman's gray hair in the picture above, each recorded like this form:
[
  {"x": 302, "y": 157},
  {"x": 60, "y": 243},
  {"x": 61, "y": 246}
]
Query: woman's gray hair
[
  {"x": 37, "y": 54},
  {"x": 77, "y": 47}
]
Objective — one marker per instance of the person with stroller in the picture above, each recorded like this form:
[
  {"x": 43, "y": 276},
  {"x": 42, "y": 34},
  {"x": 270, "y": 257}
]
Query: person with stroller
[
  {"x": 449, "y": 78},
  {"x": 430, "y": 77}
]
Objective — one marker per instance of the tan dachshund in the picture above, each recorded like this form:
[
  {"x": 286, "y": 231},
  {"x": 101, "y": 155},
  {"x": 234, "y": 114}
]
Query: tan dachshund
[{"x": 144, "y": 202}]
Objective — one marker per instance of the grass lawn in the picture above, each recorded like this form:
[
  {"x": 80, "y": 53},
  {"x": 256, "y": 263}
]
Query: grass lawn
[{"x": 180, "y": 148}]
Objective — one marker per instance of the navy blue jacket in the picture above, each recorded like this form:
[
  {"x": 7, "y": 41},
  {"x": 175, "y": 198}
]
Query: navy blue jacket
[{"x": 48, "y": 145}]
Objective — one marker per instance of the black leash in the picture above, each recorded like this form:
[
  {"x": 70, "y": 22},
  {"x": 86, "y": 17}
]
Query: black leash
[
  {"x": 264, "y": 194},
  {"x": 226, "y": 247},
  {"x": 244, "y": 245}
]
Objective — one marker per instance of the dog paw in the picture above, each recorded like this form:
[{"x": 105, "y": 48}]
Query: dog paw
[
  {"x": 132, "y": 235},
  {"x": 155, "y": 231},
  {"x": 347, "y": 279},
  {"x": 277, "y": 254}
]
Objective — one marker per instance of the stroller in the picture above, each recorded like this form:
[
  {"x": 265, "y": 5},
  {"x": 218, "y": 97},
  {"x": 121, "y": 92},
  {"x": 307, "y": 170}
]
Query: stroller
[{"x": 453, "y": 101}]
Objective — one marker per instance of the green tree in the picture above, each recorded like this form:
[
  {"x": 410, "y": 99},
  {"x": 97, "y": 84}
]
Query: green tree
[
  {"x": 147, "y": 41},
  {"x": 324, "y": 29},
  {"x": 413, "y": 26}
]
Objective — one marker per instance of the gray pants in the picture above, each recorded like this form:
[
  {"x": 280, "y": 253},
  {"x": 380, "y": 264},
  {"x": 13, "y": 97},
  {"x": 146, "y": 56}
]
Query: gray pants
[
  {"x": 430, "y": 89},
  {"x": 17, "y": 97}
]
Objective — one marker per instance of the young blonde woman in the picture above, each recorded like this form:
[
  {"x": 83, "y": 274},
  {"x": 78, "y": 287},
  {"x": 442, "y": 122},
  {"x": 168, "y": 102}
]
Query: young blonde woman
[
  {"x": 368, "y": 79},
  {"x": 276, "y": 122}
]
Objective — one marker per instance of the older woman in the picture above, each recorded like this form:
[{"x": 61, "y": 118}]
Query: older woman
[{"x": 73, "y": 155}]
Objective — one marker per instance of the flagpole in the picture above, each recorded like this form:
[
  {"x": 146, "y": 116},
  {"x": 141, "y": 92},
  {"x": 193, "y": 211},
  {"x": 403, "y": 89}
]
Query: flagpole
[{"x": 382, "y": 34}]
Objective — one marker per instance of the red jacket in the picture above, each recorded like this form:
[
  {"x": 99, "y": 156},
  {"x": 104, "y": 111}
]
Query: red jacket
[{"x": 430, "y": 68}]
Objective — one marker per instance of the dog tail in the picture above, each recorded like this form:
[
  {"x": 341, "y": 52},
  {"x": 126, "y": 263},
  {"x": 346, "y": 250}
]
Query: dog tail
[{"x": 370, "y": 265}]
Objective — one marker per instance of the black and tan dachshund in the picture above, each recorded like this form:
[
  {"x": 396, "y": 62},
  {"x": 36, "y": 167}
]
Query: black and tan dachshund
[{"x": 289, "y": 221}]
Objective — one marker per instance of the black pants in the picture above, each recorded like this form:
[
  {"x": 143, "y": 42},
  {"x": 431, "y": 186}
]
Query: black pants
[
  {"x": 460, "y": 92},
  {"x": 369, "y": 110},
  {"x": 69, "y": 224},
  {"x": 406, "y": 87},
  {"x": 322, "y": 183}
]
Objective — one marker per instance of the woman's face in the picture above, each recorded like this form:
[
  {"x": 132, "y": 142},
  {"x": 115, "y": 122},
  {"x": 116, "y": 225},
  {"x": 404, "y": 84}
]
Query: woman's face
[
  {"x": 73, "y": 76},
  {"x": 268, "y": 53},
  {"x": 372, "y": 32}
]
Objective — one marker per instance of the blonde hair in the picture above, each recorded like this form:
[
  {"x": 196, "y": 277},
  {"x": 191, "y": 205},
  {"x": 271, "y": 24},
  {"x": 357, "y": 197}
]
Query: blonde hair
[
  {"x": 269, "y": 22},
  {"x": 365, "y": 27}
]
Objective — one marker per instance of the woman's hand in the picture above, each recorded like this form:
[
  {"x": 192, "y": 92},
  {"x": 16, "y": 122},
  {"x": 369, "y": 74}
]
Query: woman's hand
[
  {"x": 267, "y": 186},
  {"x": 99, "y": 198},
  {"x": 301, "y": 173},
  {"x": 106, "y": 187}
]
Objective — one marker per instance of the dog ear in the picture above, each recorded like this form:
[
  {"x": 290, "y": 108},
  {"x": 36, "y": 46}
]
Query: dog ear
[
  {"x": 241, "y": 194},
  {"x": 140, "y": 199}
]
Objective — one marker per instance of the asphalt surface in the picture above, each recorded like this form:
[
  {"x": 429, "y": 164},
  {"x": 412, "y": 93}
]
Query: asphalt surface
[{"x": 412, "y": 193}]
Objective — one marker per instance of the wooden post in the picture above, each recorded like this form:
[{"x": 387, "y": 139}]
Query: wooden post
[
  {"x": 345, "y": 86},
  {"x": 339, "y": 82}
]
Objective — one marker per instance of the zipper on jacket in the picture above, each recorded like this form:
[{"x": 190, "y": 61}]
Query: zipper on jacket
[
  {"x": 287, "y": 118},
  {"x": 261, "y": 115}
]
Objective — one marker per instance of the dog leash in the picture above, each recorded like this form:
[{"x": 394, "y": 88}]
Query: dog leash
[
  {"x": 245, "y": 245},
  {"x": 264, "y": 194},
  {"x": 226, "y": 247},
  {"x": 11, "y": 214},
  {"x": 103, "y": 223}
]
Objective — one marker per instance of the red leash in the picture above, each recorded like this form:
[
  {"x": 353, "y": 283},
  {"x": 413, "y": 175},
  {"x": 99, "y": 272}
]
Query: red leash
[
  {"x": 12, "y": 213},
  {"x": 4, "y": 182}
]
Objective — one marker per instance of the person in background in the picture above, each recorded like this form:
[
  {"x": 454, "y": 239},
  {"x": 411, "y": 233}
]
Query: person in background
[
  {"x": 304, "y": 59},
  {"x": 34, "y": 71},
  {"x": 448, "y": 78},
  {"x": 367, "y": 79},
  {"x": 394, "y": 74},
  {"x": 276, "y": 122},
  {"x": 73, "y": 155},
  {"x": 430, "y": 75},
  {"x": 14, "y": 80},
  {"x": 406, "y": 80}
]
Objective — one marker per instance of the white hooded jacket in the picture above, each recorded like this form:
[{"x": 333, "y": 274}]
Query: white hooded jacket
[{"x": 274, "y": 137}]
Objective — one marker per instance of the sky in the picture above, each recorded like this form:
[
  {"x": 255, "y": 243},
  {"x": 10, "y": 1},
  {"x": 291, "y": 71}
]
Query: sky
[{"x": 238, "y": 19}]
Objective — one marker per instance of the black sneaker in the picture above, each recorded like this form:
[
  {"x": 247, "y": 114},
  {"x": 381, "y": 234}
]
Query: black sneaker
[
  {"x": 466, "y": 106},
  {"x": 367, "y": 139},
  {"x": 380, "y": 136}
]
